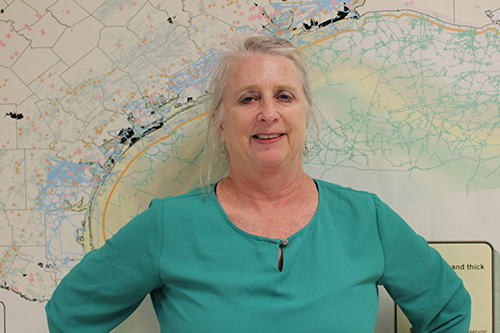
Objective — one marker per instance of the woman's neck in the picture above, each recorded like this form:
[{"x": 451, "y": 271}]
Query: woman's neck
[
  {"x": 271, "y": 205},
  {"x": 269, "y": 185}
]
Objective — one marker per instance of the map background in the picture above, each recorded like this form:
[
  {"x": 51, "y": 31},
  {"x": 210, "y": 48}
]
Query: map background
[{"x": 105, "y": 54}]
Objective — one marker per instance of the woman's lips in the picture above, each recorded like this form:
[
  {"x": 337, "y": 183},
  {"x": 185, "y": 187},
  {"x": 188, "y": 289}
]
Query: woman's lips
[{"x": 267, "y": 136}]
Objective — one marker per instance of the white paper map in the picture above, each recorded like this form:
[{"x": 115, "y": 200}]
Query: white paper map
[{"x": 102, "y": 108}]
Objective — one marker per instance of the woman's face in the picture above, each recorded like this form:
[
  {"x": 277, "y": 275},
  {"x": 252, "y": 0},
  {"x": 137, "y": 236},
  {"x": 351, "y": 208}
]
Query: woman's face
[{"x": 264, "y": 113}]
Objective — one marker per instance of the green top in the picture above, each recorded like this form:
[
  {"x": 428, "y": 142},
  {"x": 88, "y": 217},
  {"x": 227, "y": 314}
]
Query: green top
[{"x": 207, "y": 275}]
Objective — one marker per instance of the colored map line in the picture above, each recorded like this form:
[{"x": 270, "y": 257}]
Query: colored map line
[
  {"x": 449, "y": 107},
  {"x": 133, "y": 160},
  {"x": 477, "y": 31}
]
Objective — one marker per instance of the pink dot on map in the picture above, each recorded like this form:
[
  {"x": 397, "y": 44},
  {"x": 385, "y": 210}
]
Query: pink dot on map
[
  {"x": 5, "y": 99},
  {"x": 60, "y": 122},
  {"x": 477, "y": 7},
  {"x": 138, "y": 120},
  {"x": 64, "y": 196},
  {"x": 119, "y": 45},
  {"x": 34, "y": 129},
  {"x": 28, "y": 118},
  {"x": 52, "y": 85},
  {"x": 151, "y": 26},
  {"x": 2, "y": 44},
  {"x": 151, "y": 100},
  {"x": 86, "y": 167},
  {"x": 42, "y": 32},
  {"x": 16, "y": 53},
  {"x": 118, "y": 91},
  {"x": 67, "y": 12},
  {"x": 35, "y": 171},
  {"x": 100, "y": 97},
  {"x": 134, "y": 3},
  {"x": 91, "y": 70},
  {"x": 8, "y": 36},
  {"x": 196, "y": 85},
  {"x": 78, "y": 151},
  {"x": 70, "y": 173},
  {"x": 121, "y": 7},
  {"x": 39, "y": 15}
]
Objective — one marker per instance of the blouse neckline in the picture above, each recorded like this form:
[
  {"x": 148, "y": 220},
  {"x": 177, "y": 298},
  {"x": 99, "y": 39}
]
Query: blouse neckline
[{"x": 246, "y": 234}]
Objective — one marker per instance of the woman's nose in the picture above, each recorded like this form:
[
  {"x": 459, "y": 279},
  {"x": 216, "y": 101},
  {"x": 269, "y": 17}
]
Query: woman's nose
[{"x": 268, "y": 111}]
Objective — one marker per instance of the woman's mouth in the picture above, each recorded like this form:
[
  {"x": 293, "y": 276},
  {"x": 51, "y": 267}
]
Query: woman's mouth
[{"x": 267, "y": 136}]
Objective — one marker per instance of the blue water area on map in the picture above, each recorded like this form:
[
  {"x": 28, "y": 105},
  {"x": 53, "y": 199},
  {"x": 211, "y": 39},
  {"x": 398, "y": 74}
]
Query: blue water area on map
[{"x": 67, "y": 184}]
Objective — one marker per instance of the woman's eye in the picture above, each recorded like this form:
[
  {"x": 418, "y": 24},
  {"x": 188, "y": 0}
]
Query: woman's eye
[
  {"x": 284, "y": 97},
  {"x": 247, "y": 99}
]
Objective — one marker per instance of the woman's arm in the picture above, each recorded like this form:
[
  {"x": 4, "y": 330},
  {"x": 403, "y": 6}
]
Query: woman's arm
[
  {"x": 426, "y": 288},
  {"x": 110, "y": 282}
]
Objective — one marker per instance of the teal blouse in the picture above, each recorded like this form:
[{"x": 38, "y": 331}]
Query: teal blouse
[{"x": 205, "y": 274}]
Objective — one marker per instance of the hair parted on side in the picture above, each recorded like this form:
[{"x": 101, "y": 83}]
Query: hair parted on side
[{"x": 214, "y": 168}]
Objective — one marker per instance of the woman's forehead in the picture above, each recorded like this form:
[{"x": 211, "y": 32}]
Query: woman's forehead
[
  {"x": 254, "y": 69},
  {"x": 260, "y": 59}
]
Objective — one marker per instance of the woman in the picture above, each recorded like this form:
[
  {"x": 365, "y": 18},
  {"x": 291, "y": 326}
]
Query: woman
[{"x": 267, "y": 248}]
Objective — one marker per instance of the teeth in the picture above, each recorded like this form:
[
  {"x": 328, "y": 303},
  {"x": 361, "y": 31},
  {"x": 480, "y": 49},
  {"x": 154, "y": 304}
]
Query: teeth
[{"x": 265, "y": 136}]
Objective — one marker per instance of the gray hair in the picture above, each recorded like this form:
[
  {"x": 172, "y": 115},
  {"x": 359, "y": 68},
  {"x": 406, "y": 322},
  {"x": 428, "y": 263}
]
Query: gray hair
[{"x": 213, "y": 167}]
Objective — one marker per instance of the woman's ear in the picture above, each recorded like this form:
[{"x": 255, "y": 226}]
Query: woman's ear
[{"x": 222, "y": 133}]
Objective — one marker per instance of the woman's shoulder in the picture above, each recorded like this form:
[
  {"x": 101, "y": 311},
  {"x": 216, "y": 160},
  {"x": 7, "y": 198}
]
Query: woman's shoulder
[
  {"x": 191, "y": 196},
  {"x": 342, "y": 191},
  {"x": 346, "y": 199},
  {"x": 194, "y": 202}
]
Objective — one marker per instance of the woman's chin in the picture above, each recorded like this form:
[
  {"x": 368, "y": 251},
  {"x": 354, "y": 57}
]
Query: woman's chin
[{"x": 275, "y": 160}]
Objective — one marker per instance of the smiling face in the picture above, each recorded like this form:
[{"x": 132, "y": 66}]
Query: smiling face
[{"x": 264, "y": 113}]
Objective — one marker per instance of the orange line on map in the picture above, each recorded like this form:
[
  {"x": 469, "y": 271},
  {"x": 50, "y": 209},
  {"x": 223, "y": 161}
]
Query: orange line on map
[
  {"x": 399, "y": 16},
  {"x": 132, "y": 161}
]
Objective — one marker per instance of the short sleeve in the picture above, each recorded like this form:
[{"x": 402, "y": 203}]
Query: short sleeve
[
  {"x": 110, "y": 282},
  {"x": 426, "y": 288}
]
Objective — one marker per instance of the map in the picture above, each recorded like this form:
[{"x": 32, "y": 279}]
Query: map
[{"x": 103, "y": 107}]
